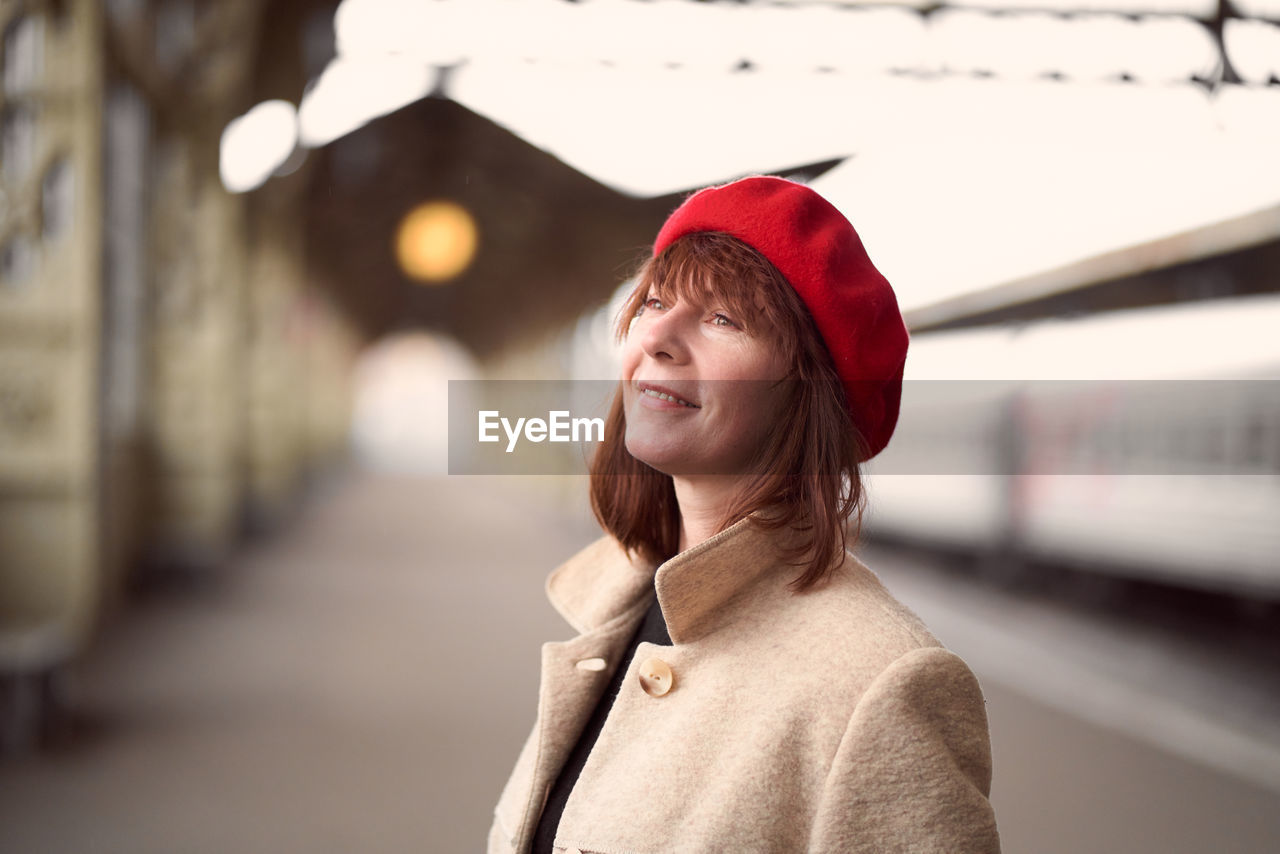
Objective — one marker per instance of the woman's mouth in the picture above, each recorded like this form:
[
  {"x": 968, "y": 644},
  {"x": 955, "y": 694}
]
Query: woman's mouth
[{"x": 659, "y": 393}]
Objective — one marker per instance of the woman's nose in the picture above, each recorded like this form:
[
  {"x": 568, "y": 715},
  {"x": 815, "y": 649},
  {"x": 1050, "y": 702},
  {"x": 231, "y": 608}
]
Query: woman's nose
[{"x": 665, "y": 336}]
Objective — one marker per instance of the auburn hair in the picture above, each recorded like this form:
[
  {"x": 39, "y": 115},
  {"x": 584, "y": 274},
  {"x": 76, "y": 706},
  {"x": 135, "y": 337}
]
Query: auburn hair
[{"x": 808, "y": 470}]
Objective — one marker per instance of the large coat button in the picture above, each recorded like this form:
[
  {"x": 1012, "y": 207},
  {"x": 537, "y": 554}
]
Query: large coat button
[{"x": 656, "y": 677}]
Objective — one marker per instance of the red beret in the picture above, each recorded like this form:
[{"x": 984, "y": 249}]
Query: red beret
[{"x": 817, "y": 250}]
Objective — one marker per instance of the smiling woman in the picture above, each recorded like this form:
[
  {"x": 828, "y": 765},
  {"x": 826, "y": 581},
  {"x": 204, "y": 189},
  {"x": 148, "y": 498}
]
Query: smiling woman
[
  {"x": 741, "y": 681},
  {"x": 712, "y": 318}
]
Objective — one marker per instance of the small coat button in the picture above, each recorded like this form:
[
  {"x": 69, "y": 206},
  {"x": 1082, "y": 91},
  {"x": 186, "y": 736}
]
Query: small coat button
[
  {"x": 656, "y": 677},
  {"x": 595, "y": 665}
]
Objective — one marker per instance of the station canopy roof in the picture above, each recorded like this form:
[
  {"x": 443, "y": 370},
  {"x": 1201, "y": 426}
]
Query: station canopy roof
[{"x": 983, "y": 144}]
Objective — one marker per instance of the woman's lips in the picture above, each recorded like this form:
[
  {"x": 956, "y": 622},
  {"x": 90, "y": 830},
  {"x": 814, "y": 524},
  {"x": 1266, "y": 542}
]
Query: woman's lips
[{"x": 655, "y": 392}]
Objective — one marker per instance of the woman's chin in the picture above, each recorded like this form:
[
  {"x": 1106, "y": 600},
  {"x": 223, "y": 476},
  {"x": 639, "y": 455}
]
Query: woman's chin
[
  {"x": 663, "y": 456},
  {"x": 678, "y": 463},
  {"x": 665, "y": 463}
]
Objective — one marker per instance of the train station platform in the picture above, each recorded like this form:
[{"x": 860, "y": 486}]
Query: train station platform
[{"x": 364, "y": 681}]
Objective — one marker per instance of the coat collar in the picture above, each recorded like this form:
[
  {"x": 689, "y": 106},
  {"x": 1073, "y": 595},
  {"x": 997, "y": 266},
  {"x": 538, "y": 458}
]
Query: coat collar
[{"x": 603, "y": 580}]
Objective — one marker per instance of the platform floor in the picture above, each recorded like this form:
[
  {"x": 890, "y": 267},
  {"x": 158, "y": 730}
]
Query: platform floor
[
  {"x": 360, "y": 684},
  {"x": 364, "y": 682}
]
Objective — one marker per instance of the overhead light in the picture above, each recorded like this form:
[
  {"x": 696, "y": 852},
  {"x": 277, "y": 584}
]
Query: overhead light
[
  {"x": 436, "y": 241},
  {"x": 256, "y": 144}
]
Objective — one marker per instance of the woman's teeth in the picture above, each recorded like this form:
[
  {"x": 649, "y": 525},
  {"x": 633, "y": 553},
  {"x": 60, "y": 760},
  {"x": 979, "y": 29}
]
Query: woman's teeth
[{"x": 664, "y": 396}]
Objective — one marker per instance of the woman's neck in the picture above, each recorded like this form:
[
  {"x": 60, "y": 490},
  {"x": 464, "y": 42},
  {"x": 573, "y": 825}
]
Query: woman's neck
[{"x": 703, "y": 502}]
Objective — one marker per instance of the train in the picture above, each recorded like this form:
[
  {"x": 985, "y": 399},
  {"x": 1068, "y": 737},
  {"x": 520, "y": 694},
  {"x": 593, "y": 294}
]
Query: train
[{"x": 1137, "y": 444}]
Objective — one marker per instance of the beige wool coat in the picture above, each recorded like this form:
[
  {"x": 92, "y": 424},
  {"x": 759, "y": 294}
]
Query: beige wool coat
[{"x": 826, "y": 721}]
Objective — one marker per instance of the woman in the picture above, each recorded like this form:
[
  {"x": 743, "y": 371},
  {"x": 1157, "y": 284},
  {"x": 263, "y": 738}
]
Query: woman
[{"x": 740, "y": 682}]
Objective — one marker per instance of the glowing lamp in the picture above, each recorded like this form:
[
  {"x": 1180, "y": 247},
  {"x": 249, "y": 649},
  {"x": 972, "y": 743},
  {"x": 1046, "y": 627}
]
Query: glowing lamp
[{"x": 436, "y": 241}]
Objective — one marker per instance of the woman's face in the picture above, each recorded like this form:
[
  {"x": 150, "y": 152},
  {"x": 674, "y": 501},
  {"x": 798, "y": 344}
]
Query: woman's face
[{"x": 700, "y": 392}]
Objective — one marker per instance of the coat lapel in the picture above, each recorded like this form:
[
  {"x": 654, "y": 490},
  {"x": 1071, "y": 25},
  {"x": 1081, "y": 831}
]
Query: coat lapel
[{"x": 602, "y": 594}]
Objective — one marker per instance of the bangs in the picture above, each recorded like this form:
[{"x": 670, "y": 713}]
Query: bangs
[
  {"x": 690, "y": 279},
  {"x": 714, "y": 270}
]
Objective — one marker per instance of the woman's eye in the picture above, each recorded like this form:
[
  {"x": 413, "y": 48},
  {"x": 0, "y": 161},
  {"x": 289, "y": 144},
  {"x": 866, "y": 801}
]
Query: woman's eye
[
  {"x": 719, "y": 319},
  {"x": 653, "y": 303}
]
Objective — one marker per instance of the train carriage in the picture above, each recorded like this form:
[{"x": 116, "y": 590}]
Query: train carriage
[{"x": 1139, "y": 443}]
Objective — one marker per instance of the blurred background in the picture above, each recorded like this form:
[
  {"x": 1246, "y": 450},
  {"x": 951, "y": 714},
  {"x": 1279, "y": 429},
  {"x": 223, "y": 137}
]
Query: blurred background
[{"x": 244, "y": 247}]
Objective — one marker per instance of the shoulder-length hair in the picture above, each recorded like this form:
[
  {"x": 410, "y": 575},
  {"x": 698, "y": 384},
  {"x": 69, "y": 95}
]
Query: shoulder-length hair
[{"x": 807, "y": 473}]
